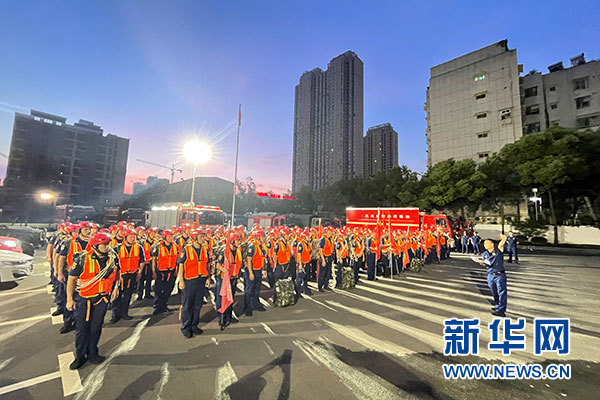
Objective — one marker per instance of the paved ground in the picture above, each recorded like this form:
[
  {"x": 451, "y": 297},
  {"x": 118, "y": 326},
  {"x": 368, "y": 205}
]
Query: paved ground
[{"x": 382, "y": 340}]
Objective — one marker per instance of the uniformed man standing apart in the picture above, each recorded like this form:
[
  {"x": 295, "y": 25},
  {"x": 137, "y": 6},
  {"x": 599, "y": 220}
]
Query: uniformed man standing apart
[
  {"x": 145, "y": 278},
  {"x": 372, "y": 248},
  {"x": 357, "y": 254},
  {"x": 303, "y": 263},
  {"x": 131, "y": 260},
  {"x": 326, "y": 255},
  {"x": 233, "y": 251},
  {"x": 193, "y": 272},
  {"x": 255, "y": 262},
  {"x": 511, "y": 247},
  {"x": 164, "y": 261},
  {"x": 97, "y": 273},
  {"x": 496, "y": 276}
]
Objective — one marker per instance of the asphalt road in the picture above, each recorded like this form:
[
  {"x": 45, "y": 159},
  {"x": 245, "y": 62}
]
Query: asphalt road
[{"x": 381, "y": 340}]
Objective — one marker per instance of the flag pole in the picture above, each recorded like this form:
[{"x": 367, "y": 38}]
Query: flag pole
[{"x": 237, "y": 148}]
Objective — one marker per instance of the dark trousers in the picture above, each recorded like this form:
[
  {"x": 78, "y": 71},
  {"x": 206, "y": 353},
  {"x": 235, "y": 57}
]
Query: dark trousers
[
  {"x": 144, "y": 286},
  {"x": 476, "y": 248},
  {"x": 165, "y": 281},
  {"x": 89, "y": 316},
  {"x": 120, "y": 306},
  {"x": 395, "y": 264},
  {"x": 512, "y": 251},
  {"x": 271, "y": 276},
  {"x": 252, "y": 290},
  {"x": 311, "y": 270},
  {"x": 497, "y": 284},
  {"x": 357, "y": 265},
  {"x": 338, "y": 271},
  {"x": 324, "y": 273},
  {"x": 301, "y": 283},
  {"x": 61, "y": 302},
  {"x": 371, "y": 261},
  {"x": 225, "y": 317},
  {"x": 193, "y": 296}
]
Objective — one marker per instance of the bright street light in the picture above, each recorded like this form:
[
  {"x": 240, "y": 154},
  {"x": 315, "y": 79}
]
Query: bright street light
[
  {"x": 196, "y": 152},
  {"x": 45, "y": 196}
]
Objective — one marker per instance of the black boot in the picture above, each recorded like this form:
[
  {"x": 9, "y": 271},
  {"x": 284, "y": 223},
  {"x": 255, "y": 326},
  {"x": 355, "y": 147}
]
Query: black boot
[{"x": 77, "y": 363}]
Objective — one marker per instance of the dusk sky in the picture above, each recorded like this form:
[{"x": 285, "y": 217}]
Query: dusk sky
[{"x": 159, "y": 72}]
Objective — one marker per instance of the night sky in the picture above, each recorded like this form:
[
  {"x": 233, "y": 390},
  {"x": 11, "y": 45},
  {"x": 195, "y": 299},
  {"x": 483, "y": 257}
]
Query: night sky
[{"x": 159, "y": 72}]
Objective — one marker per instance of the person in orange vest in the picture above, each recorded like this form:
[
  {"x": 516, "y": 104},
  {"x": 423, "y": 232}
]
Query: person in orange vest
[
  {"x": 164, "y": 263},
  {"x": 146, "y": 274},
  {"x": 270, "y": 260},
  {"x": 67, "y": 256},
  {"x": 282, "y": 256},
  {"x": 341, "y": 254},
  {"x": 303, "y": 250},
  {"x": 357, "y": 253},
  {"x": 372, "y": 249},
  {"x": 131, "y": 259},
  {"x": 235, "y": 251},
  {"x": 193, "y": 273},
  {"x": 91, "y": 302},
  {"x": 256, "y": 254},
  {"x": 326, "y": 256}
]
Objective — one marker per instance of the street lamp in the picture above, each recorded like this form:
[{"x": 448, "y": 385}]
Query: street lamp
[
  {"x": 535, "y": 199},
  {"x": 48, "y": 197},
  {"x": 196, "y": 152}
]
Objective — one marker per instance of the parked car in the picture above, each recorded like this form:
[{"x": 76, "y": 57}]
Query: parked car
[
  {"x": 10, "y": 244},
  {"x": 31, "y": 238},
  {"x": 14, "y": 266}
]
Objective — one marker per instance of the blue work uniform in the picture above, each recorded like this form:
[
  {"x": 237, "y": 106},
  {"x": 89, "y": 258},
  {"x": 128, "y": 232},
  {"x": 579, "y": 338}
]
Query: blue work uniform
[
  {"x": 496, "y": 277},
  {"x": 475, "y": 239},
  {"x": 252, "y": 287},
  {"x": 193, "y": 292},
  {"x": 301, "y": 280},
  {"x": 511, "y": 248},
  {"x": 325, "y": 270},
  {"x": 371, "y": 260},
  {"x": 465, "y": 243},
  {"x": 61, "y": 292}
]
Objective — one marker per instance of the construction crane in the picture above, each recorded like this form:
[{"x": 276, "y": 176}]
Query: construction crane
[
  {"x": 172, "y": 168},
  {"x": 3, "y": 155}
]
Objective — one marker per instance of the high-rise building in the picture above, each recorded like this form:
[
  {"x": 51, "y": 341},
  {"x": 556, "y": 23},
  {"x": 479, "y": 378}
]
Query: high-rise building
[
  {"x": 568, "y": 97},
  {"x": 473, "y": 105},
  {"x": 380, "y": 149},
  {"x": 78, "y": 162},
  {"x": 328, "y": 124}
]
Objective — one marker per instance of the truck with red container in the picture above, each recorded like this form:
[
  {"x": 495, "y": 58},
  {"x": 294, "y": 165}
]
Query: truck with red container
[
  {"x": 407, "y": 219},
  {"x": 166, "y": 215}
]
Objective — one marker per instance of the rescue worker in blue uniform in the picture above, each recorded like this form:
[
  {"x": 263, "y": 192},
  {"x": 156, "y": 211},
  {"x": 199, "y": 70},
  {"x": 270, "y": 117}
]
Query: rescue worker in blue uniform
[
  {"x": 465, "y": 242},
  {"x": 193, "y": 273},
  {"x": 496, "y": 276},
  {"x": 511, "y": 247},
  {"x": 303, "y": 264},
  {"x": 164, "y": 263},
  {"x": 131, "y": 260},
  {"x": 256, "y": 255},
  {"x": 90, "y": 303},
  {"x": 326, "y": 254},
  {"x": 371, "y": 248},
  {"x": 475, "y": 239}
]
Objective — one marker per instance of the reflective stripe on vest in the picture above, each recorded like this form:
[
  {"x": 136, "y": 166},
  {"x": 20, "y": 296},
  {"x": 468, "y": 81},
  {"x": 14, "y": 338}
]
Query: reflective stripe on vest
[
  {"x": 194, "y": 267},
  {"x": 91, "y": 268},
  {"x": 283, "y": 255},
  {"x": 305, "y": 256},
  {"x": 167, "y": 259},
  {"x": 129, "y": 261},
  {"x": 328, "y": 248},
  {"x": 258, "y": 259}
]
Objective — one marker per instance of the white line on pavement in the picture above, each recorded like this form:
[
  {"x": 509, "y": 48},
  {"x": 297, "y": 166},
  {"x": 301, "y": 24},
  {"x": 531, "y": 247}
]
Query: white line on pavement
[
  {"x": 264, "y": 302},
  {"x": 49, "y": 289},
  {"x": 268, "y": 329},
  {"x": 164, "y": 371},
  {"x": 225, "y": 377},
  {"x": 20, "y": 321},
  {"x": 318, "y": 302},
  {"x": 214, "y": 340},
  {"x": 4, "y": 363},
  {"x": 269, "y": 349},
  {"x": 23, "y": 292},
  {"x": 47, "y": 274},
  {"x": 29, "y": 382},
  {"x": 55, "y": 319},
  {"x": 71, "y": 382}
]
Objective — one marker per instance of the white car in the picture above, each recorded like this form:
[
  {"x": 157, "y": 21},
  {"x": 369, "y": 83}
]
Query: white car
[{"x": 14, "y": 266}]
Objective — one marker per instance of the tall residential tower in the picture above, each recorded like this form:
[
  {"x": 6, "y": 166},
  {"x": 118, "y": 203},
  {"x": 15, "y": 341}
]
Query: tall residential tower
[{"x": 328, "y": 124}]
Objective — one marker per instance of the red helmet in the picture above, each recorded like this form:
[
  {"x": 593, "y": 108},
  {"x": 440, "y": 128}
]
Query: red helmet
[
  {"x": 95, "y": 225},
  {"x": 85, "y": 224},
  {"x": 235, "y": 236},
  {"x": 197, "y": 232},
  {"x": 166, "y": 233},
  {"x": 257, "y": 234},
  {"x": 103, "y": 230},
  {"x": 113, "y": 228},
  {"x": 150, "y": 230},
  {"x": 100, "y": 238},
  {"x": 127, "y": 232},
  {"x": 72, "y": 228},
  {"x": 139, "y": 229},
  {"x": 122, "y": 224}
]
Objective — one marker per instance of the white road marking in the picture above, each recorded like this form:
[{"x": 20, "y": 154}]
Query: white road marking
[
  {"x": 55, "y": 320},
  {"x": 269, "y": 349},
  {"x": 20, "y": 321},
  {"x": 225, "y": 377},
  {"x": 253, "y": 330},
  {"x": 9, "y": 293},
  {"x": 164, "y": 372},
  {"x": 49, "y": 289},
  {"x": 71, "y": 382},
  {"x": 29, "y": 382},
  {"x": 47, "y": 274},
  {"x": 4, "y": 363},
  {"x": 318, "y": 325},
  {"x": 17, "y": 298},
  {"x": 264, "y": 302},
  {"x": 95, "y": 379},
  {"x": 268, "y": 329},
  {"x": 46, "y": 264},
  {"x": 370, "y": 342},
  {"x": 318, "y": 302},
  {"x": 363, "y": 386},
  {"x": 16, "y": 330},
  {"x": 214, "y": 340}
]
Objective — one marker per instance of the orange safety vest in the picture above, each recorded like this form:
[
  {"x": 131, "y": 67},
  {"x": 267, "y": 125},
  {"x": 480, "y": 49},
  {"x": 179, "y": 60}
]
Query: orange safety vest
[
  {"x": 147, "y": 249},
  {"x": 283, "y": 253},
  {"x": 328, "y": 248},
  {"x": 305, "y": 256},
  {"x": 358, "y": 250},
  {"x": 74, "y": 248},
  {"x": 258, "y": 259},
  {"x": 166, "y": 259},
  {"x": 129, "y": 261},
  {"x": 238, "y": 261},
  {"x": 344, "y": 249},
  {"x": 193, "y": 266},
  {"x": 91, "y": 268}
]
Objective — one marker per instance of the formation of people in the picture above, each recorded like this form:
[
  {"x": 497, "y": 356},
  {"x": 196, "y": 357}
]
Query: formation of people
[{"x": 94, "y": 269}]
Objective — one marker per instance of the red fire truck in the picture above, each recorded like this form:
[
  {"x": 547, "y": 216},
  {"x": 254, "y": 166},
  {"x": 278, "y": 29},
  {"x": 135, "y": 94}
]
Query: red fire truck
[
  {"x": 177, "y": 214},
  {"x": 404, "y": 219}
]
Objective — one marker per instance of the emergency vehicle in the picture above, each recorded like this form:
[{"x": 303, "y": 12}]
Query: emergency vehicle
[
  {"x": 166, "y": 215},
  {"x": 403, "y": 219}
]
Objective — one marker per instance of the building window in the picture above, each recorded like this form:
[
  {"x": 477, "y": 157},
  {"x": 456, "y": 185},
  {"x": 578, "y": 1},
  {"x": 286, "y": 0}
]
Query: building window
[
  {"x": 588, "y": 121},
  {"x": 37, "y": 118},
  {"x": 479, "y": 77},
  {"x": 554, "y": 106},
  {"x": 532, "y": 110},
  {"x": 552, "y": 88},
  {"x": 532, "y": 128},
  {"x": 582, "y": 102},
  {"x": 530, "y": 92},
  {"x": 481, "y": 115},
  {"x": 581, "y": 83},
  {"x": 480, "y": 96},
  {"x": 505, "y": 114},
  {"x": 482, "y": 135},
  {"x": 483, "y": 155}
]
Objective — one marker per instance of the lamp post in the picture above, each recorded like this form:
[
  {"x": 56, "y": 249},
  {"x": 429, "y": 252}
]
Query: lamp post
[
  {"x": 196, "y": 152},
  {"x": 535, "y": 199},
  {"x": 48, "y": 197}
]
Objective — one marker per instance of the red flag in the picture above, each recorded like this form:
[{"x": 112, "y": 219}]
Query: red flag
[
  {"x": 320, "y": 228},
  {"x": 378, "y": 234},
  {"x": 226, "y": 293}
]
